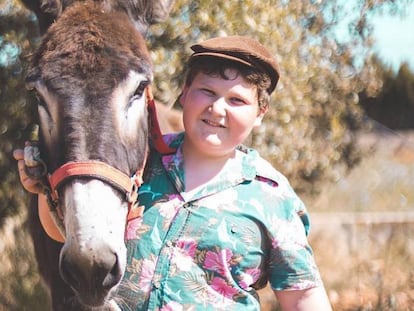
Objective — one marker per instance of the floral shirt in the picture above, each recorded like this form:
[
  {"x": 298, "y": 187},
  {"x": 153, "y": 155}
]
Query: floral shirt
[{"x": 210, "y": 249}]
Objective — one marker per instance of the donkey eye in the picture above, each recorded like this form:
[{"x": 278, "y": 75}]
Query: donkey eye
[
  {"x": 38, "y": 98},
  {"x": 141, "y": 88}
]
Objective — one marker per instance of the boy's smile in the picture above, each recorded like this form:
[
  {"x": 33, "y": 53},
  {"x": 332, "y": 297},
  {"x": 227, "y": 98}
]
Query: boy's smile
[
  {"x": 219, "y": 113},
  {"x": 214, "y": 124}
]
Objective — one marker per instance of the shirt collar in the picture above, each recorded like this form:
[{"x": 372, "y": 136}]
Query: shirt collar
[{"x": 239, "y": 170}]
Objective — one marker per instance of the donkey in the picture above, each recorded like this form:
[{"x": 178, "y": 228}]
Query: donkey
[{"x": 91, "y": 72}]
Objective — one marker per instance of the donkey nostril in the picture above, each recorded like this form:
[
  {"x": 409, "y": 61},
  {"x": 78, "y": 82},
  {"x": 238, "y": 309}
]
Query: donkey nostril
[
  {"x": 69, "y": 272},
  {"x": 85, "y": 272},
  {"x": 113, "y": 276}
]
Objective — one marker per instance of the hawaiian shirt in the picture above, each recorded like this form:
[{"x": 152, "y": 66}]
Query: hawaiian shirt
[{"x": 211, "y": 249}]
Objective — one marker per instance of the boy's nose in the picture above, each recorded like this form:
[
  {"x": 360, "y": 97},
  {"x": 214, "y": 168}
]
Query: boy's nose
[{"x": 218, "y": 106}]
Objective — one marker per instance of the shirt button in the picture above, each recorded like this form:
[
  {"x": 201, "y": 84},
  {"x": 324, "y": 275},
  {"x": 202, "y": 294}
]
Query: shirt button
[
  {"x": 157, "y": 284},
  {"x": 169, "y": 243}
]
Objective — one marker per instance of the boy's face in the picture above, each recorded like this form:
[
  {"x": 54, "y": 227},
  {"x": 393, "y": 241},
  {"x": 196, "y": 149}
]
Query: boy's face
[{"x": 219, "y": 114}]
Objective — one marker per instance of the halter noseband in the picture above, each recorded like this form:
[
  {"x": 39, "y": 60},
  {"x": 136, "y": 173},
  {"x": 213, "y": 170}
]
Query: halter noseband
[{"x": 102, "y": 171}]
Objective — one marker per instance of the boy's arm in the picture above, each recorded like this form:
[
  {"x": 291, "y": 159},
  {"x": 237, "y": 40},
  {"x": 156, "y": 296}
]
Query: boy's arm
[
  {"x": 304, "y": 300},
  {"x": 35, "y": 187},
  {"x": 28, "y": 183}
]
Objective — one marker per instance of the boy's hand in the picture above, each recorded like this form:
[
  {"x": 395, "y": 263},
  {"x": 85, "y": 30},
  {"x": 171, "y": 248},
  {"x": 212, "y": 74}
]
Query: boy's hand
[{"x": 31, "y": 185}]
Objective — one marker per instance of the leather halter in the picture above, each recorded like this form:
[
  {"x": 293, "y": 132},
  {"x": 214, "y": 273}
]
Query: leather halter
[
  {"x": 102, "y": 171},
  {"x": 98, "y": 170}
]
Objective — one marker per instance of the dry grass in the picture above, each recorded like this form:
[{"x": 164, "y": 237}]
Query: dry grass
[
  {"x": 20, "y": 285},
  {"x": 367, "y": 264}
]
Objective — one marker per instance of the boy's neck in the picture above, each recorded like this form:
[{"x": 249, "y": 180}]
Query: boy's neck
[{"x": 200, "y": 168}]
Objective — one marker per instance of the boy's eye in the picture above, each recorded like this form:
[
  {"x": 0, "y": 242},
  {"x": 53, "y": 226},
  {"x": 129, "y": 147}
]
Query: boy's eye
[
  {"x": 208, "y": 92},
  {"x": 237, "y": 101}
]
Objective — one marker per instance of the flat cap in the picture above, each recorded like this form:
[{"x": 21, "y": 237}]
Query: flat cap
[{"x": 241, "y": 49}]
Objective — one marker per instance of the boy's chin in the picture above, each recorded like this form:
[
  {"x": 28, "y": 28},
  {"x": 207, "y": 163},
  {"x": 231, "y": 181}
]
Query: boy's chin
[{"x": 213, "y": 140}]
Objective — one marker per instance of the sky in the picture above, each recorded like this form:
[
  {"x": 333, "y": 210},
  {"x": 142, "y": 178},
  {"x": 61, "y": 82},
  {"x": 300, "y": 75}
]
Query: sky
[{"x": 395, "y": 38}]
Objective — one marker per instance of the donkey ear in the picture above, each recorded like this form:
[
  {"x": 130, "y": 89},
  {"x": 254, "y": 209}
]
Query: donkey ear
[
  {"x": 54, "y": 7},
  {"x": 143, "y": 13},
  {"x": 47, "y": 11},
  {"x": 160, "y": 10}
]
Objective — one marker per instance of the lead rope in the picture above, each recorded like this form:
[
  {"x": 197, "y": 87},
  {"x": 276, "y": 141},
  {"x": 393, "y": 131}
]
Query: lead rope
[
  {"x": 160, "y": 145},
  {"x": 136, "y": 211}
]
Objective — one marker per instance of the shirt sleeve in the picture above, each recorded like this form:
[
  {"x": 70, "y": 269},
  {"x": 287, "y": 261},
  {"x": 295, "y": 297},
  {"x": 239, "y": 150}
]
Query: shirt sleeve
[{"x": 291, "y": 262}]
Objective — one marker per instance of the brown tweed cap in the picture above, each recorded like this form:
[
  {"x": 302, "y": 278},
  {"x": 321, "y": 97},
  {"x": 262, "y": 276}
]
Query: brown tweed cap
[{"x": 243, "y": 50}]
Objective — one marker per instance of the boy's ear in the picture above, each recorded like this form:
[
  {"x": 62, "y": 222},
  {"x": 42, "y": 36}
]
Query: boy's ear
[
  {"x": 181, "y": 97},
  {"x": 260, "y": 116}
]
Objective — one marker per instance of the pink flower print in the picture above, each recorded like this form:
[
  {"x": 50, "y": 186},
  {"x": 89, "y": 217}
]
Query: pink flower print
[
  {"x": 169, "y": 208},
  {"x": 183, "y": 254},
  {"x": 248, "y": 278},
  {"x": 188, "y": 247},
  {"x": 132, "y": 227},
  {"x": 147, "y": 273},
  {"x": 290, "y": 234},
  {"x": 221, "y": 287},
  {"x": 174, "y": 196},
  {"x": 172, "y": 306},
  {"x": 168, "y": 138},
  {"x": 219, "y": 261}
]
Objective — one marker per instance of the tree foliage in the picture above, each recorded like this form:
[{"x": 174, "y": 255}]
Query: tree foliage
[
  {"x": 393, "y": 106},
  {"x": 309, "y": 132},
  {"x": 18, "y": 36},
  {"x": 20, "y": 280}
]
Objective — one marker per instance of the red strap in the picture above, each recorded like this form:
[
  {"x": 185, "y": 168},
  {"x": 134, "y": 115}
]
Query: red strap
[
  {"x": 96, "y": 169},
  {"x": 135, "y": 212},
  {"x": 155, "y": 130}
]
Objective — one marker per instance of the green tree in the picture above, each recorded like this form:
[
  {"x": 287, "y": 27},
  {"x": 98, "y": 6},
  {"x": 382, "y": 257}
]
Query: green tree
[
  {"x": 18, "y": 273},
  {"x": 16, "y": 35},
  {"x": 393, "y": 106},
  {"x": 308, "y": 133}
]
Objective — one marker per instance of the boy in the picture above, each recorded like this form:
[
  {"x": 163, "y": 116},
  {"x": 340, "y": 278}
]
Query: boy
[{"x": 219, "y": 221}]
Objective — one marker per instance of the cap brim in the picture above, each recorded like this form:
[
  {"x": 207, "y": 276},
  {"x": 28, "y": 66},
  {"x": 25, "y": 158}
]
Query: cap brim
[
  {"x": 222, "y": 55},
  {"x": 274, "y": 75}
]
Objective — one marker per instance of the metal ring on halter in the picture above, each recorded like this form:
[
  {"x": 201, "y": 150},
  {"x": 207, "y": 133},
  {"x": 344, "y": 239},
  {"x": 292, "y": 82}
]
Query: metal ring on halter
[
  {"x": 36, "y": 172},
  {"x": 35, "y": 167}
]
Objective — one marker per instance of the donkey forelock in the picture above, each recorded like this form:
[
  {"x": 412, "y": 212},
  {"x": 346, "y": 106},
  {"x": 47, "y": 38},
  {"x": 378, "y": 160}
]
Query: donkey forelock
[
  {"x": 89, "y": 45},
  {"x": 81, "y": 61}
]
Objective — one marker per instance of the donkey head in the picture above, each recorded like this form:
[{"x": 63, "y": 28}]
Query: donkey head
[{"x": 90, "y": 72}]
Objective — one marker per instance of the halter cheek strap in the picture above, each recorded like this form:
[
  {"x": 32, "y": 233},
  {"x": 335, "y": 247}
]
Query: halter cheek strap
[{"x": 49, "y": 223}]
